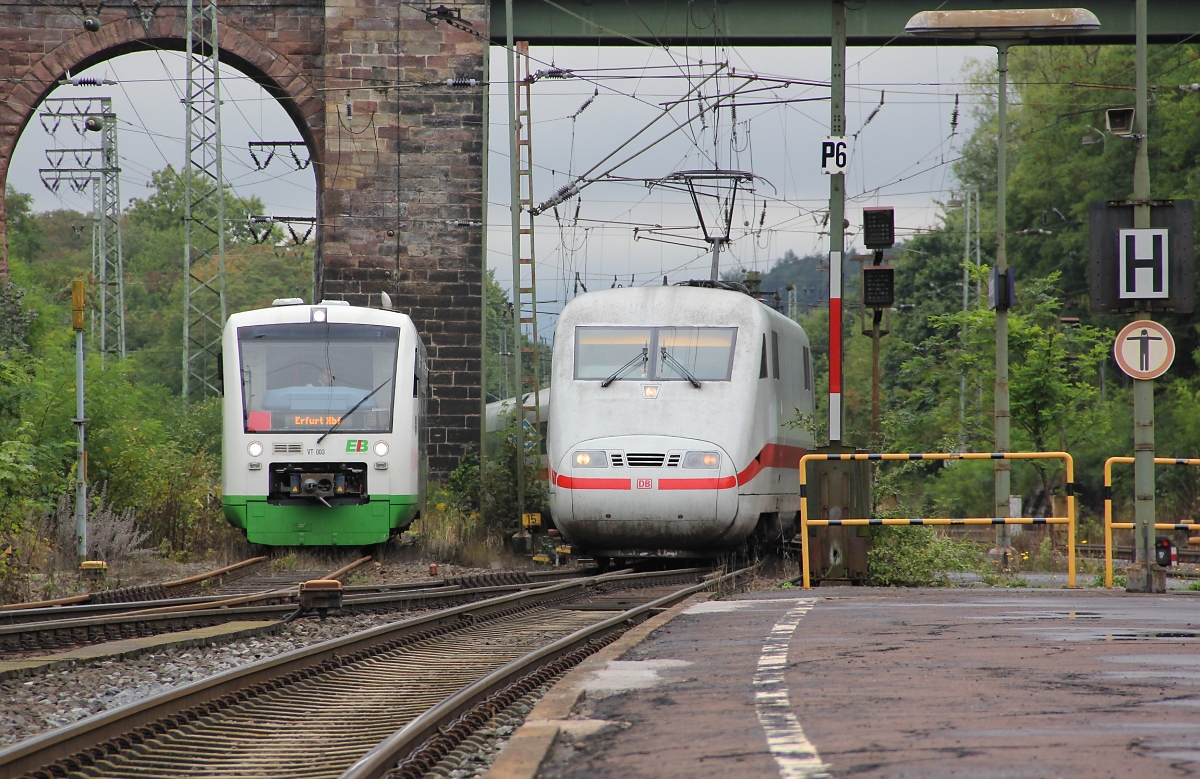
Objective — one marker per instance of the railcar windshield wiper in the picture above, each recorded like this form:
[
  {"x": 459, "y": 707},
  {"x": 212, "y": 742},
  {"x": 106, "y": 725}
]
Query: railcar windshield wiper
[
  {"x": 670, "y": 358},
  {"x": 643, "y": 358},
  {"x": 353, "y": 408}
]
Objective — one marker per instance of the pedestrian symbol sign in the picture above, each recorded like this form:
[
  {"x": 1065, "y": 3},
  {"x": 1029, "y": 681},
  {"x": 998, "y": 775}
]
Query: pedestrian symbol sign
[{"x": 1144, "y": 349}]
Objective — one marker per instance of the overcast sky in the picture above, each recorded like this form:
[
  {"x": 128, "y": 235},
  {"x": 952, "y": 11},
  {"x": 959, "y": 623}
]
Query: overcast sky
[{"x": 901, "y": 158}]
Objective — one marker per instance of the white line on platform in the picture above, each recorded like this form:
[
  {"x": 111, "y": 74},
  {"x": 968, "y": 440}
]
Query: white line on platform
[{"x": 793, "y": 752}]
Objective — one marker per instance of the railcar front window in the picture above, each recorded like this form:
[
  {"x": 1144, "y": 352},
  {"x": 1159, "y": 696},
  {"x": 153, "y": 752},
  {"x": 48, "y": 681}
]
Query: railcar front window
[
  {"x": 306, "y": 376},
  {"x": 706, "y": 353},
  {"x": 602, "y": 351}
]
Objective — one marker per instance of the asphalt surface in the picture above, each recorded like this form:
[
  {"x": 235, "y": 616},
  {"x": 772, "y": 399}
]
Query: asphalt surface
[{"x": 850, "y": 682}]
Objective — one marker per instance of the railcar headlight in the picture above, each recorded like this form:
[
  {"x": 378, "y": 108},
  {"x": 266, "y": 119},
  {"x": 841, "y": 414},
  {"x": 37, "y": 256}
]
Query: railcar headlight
[
  {"x": 381, "y": 448},
  {"x": 591, "y": 460},
  {"x": 254, "y": 448},
  {"x": 702, "y": 460}
]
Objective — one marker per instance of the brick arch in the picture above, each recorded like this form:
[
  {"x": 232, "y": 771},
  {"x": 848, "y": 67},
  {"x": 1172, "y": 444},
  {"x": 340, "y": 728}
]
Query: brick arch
[{"x": 268, "y": 67}]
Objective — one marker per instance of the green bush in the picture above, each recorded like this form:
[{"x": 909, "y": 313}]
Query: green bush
[{"x": 917, "y": 556}]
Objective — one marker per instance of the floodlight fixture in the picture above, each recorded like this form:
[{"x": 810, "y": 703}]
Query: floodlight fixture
[{"x": 1119, "y": 121}]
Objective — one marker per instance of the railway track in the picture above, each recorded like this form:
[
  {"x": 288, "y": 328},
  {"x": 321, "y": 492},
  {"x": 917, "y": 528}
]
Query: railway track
[
  {"x": 178, "y": 588},
  {"x": 62, "y": 627},
  {"x": 401, "y": 693},
  {"x": 1185, "y": 554}
]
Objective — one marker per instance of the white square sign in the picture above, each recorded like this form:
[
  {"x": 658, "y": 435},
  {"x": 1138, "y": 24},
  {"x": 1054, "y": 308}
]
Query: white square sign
[
  {"x": 834, "y": 156},
  {"x": 1143, "y": 264}
]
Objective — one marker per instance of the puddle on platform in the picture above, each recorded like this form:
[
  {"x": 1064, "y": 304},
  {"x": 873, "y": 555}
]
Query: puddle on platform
[
  {"x": 622, "y": 675},
  {"x": 1163, "y": 673},
  {"x": 717, "y": 607},
  {"x": 1037, "y": 615},
  {"x": 1155, "y": 659},
  {"x": 1116, "y": 634}
]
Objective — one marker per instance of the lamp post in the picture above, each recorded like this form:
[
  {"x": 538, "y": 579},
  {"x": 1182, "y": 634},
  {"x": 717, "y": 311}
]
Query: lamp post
[{"x": 1002, "y": 29}]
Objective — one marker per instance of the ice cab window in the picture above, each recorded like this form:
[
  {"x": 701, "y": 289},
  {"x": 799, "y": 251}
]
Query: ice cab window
[
  {"x": 654, "y": 353},
  {"x": 602, "y": 351}
]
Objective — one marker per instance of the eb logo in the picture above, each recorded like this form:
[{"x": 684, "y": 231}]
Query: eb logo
[
  {"x": 645, "y": 484},
  {"x": 356, "y": 446}
]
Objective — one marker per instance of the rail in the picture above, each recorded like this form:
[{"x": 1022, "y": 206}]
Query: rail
[
  {"x": 128, "y": 594},
  {"x": 380, "y": 761},
  {"x": 90, "y": 739},
  {"x": 1109, "y": 525},
  {"x": 1068, "y": 520}
]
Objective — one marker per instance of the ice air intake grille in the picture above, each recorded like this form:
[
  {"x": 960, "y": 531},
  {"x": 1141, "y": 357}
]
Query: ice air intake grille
[
  {"x": 617, "y": 459},
  {"x": 645, "y": 459}
]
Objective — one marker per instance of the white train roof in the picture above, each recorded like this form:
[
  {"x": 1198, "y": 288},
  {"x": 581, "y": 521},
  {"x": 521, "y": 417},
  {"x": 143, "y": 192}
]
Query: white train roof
[{"x": 337, "y": 312}]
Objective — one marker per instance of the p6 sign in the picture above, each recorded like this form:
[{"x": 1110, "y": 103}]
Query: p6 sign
[{"x": 834, "y": 157}]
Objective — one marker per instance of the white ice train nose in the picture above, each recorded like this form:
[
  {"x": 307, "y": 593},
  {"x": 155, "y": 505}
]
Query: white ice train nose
[{"x": 645, "y": 492}]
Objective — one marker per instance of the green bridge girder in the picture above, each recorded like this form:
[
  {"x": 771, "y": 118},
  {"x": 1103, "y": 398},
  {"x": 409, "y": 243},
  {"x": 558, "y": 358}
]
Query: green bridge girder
[{"x": 799, "y": 22}]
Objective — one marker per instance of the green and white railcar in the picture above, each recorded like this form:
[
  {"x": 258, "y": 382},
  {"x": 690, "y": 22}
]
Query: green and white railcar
[{"x": 324, "y": 424}]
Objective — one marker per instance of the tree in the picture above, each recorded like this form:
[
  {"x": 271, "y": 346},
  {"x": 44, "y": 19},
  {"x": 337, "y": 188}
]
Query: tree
[{"x": 1055, "y": 400}]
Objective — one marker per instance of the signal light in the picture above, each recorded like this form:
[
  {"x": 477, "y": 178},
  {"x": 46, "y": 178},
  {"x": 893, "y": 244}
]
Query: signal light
[{"x": 879, "y": 227}]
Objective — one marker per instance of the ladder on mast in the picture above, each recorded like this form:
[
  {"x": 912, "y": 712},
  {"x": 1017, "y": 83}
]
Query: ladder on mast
[{"x": 526, "y": 281}]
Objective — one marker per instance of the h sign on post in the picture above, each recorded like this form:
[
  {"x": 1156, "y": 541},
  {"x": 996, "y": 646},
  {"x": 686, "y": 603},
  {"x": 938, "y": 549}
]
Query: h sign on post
[
  {"x": 1143, "y": 264},
  {"x": 1144, "y": 270},
  {"x": 833, "y": 155}
]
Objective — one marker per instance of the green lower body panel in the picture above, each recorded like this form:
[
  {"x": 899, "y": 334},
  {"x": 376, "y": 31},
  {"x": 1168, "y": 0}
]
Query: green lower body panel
[{"x": 318, "y": 525}]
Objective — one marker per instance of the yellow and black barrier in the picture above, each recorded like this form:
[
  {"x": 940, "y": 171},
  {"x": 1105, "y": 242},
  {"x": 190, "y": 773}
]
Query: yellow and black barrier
[
  {"x": 1109, "y": 525},
  {"x": 1068, "y": 520}
]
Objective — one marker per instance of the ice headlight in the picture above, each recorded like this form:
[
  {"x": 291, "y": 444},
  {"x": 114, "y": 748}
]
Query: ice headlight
[
  {"x": 381, "y": 448},
  {"x": 254, "y": 449},
  {"x": 590, "y": 460},
  {"x": 702, "y": 460}
]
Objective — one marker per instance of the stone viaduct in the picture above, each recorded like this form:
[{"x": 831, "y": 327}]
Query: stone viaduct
[{"x": 399, "y": 179}]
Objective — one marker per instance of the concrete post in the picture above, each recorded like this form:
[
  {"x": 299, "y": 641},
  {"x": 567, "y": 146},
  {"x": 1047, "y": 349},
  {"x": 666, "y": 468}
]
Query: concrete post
[
  {"x": 1003, "y": 467},
  {"x": 1145, "y": 575},
  {"x": 837, "y": 216}
]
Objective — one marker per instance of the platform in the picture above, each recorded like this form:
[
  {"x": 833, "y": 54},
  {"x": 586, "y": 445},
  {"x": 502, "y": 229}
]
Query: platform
[{"x": 868, "y": 682}]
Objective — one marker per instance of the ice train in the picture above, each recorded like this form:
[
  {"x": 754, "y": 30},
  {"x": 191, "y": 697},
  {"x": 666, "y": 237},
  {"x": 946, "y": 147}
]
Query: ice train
[{"x": 676, "y": 421}]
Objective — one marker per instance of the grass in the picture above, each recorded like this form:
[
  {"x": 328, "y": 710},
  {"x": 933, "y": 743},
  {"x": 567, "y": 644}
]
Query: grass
[{"x": 447, "y": 533}]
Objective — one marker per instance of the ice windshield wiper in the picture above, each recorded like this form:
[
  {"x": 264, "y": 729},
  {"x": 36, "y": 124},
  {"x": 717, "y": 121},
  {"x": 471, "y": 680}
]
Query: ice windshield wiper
[
  {"x": 668, "y": 357},
  {"x": 353, "y": 408},
  {"x": 643, "y": 358}
]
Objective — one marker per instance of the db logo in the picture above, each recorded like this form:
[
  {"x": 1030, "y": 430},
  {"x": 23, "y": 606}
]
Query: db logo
[{"x": 645, "y": 484}]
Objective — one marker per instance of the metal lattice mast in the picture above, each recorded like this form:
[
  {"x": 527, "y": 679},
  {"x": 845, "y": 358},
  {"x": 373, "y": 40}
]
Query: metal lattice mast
[
  {"x": 526, "y": 281},
  {"x": 112, "y": 261},
  {"x": 204, "y": 205},
  {"x": 95, "y": 114}
]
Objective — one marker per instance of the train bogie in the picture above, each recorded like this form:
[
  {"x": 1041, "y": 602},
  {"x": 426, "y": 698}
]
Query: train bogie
[{"x": 323, "y": 438}]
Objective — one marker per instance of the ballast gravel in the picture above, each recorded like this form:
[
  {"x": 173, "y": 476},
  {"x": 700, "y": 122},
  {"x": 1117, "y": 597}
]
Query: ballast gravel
[{"x": 29, "y": 706}]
